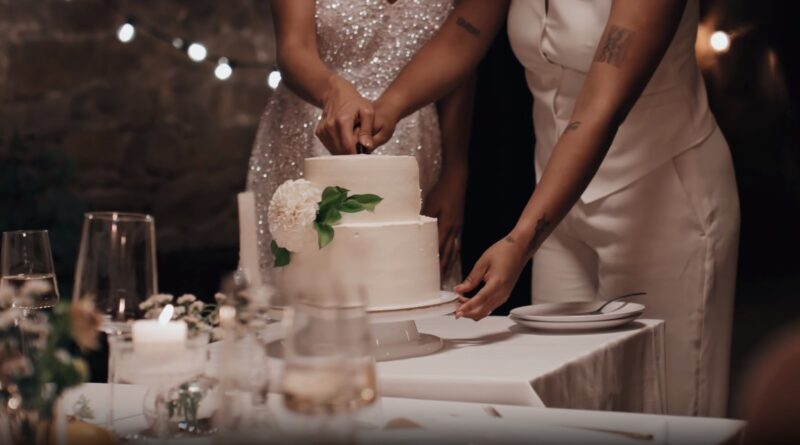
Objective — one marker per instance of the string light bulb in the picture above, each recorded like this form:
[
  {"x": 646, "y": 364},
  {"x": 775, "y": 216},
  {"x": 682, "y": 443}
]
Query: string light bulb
[
  {"x": 197, "y": 52},
  {"x": 274, "y": 79},
  {"x": 126, "y": 32},
  {"x": 720, "y": 41},
  {"x": 223, "y": 71}
]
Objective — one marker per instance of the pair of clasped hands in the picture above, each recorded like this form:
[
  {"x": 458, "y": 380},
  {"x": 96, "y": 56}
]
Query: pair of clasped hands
[{"x": 351, "y": 124}]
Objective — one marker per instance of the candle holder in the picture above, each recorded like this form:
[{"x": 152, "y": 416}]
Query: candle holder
[{"x": 174, "y": 375}]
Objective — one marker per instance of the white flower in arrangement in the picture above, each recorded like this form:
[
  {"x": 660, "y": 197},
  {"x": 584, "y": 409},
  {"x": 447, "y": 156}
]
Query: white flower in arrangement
[
  {"x": 191, "y": 319},
  {"x": 196, "y": 307},
  {"x": 186, "y": 299},
  {"x": 219, "y": 297},
  {"x": 152, "y": 313},
  {"x": 35, "y": 288},
  {"x": 292, "y": 212},
  {"x": 63, "y": 356},
  {"x": 163, "y": 298}
]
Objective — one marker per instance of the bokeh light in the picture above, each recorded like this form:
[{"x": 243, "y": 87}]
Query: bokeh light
[
  {"x": 126, "y": 33},
  {"x": 274, "y": 79},
  {"x": 197, "y": 52},
  {"x": 720, "y": 41}
]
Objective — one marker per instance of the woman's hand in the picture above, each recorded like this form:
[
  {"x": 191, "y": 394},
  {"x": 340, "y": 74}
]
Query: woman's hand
[
  {"x": 446, "y": 203},
  {"x": 498, "y": 268},
  {"x": 347, "y": 118}
]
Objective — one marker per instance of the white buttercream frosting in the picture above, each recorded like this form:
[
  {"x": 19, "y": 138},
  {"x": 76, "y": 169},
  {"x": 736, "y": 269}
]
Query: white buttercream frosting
[
  {"x": 390, "y": 256},
  {"x": 393, "y": 178}
]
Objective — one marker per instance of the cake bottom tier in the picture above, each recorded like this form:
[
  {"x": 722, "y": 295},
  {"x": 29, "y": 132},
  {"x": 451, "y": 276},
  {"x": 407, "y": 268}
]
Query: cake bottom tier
[{"x": 390, "y": 263}]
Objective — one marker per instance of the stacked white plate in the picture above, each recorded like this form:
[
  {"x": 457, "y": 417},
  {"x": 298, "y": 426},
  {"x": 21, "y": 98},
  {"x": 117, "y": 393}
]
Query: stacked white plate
[{"x": 574, "y": 316}]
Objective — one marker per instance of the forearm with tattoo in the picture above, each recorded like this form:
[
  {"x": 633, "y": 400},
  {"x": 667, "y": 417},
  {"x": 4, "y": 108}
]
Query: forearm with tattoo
[
  {"x": 572, "y": 126},
  {"x": 469, "y": 27},
  {"x": 614, "y": 46},
  {"x": 539, "y": 235}
]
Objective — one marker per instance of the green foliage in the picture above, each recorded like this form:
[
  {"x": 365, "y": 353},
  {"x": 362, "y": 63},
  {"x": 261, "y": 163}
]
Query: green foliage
[
  {"x": 334, "y": 202},
  {"x": 45, "y": 347},
  {"x": 184, "y": 403},
  {"x": 282, "y": 256}
]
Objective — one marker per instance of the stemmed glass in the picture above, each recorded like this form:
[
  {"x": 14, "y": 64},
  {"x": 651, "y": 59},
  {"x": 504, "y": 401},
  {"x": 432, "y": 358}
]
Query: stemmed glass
[
  {"x": 117, "y": 270},
  {"x": 329, "y": 370},
  {"x": 27, "y": 270},
  {"x": 117, "y": 265}
]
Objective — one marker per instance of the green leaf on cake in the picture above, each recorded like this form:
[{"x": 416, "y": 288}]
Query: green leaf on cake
[
  {"x": 367, "y": 201},
  {"x": 282, "y": 256},
  {"x": 330, "y": 217},
  {"x": 351, "y": 206},
  {"x": 332, "y": 197},
  {"x": 335, "y": 201},
  {"x": 332, "y": 200},
  {"x": 324, "y": 232}
]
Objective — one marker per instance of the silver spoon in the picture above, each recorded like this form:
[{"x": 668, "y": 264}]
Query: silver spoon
[{"x": 598, "y": 307}]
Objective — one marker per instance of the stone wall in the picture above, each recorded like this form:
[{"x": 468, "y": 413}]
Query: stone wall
[{"x": 144, "y": 128}]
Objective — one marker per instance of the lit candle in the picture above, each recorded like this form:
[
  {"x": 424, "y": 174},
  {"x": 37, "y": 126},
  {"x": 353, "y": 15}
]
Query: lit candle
[{"x": 159, "y": 334}]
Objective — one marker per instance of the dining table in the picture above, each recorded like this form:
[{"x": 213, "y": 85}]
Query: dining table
[
  {"x": 496, "y": 361},
  {"x": 402, "y": 420}
]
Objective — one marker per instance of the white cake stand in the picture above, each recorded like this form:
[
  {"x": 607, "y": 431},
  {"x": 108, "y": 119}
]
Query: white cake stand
[{"x": 394, "y": 331}]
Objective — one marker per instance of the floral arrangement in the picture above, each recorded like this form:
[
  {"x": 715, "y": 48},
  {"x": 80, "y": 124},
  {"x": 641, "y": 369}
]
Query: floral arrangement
[
  {"x": 299, "y": 213},
  {"x": 199, "y": 317},
  {"x": 202, "y": 317},
  {"x": 39, "y": 358}
]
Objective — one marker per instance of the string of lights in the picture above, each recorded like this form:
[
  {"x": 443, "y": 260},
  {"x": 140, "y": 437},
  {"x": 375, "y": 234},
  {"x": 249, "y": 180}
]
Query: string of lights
[
  {"x": 718, "y": 42},
  {"x": 197, "y": 52}
]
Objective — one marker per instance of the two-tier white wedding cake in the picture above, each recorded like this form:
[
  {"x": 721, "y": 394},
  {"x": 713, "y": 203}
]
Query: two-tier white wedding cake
[{"x": 382, "y": 249}]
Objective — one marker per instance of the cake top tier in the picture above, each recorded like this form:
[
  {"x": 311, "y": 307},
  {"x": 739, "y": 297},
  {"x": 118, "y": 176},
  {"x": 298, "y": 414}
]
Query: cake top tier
[{"x": 393, "y": 178}]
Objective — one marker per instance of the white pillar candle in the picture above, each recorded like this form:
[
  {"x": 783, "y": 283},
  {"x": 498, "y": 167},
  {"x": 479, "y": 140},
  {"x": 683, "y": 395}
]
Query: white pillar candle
[
  {"x": 248, "y": 238},
  {"x": 159, "y": 334}
]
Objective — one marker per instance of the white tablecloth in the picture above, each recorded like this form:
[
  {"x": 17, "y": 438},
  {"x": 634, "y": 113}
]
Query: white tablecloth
[
  {"x": 456, "y": 422},
  {"x": 494, "y": 361}
]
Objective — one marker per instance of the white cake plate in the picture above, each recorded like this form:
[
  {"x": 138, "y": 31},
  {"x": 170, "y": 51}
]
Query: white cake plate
[{"x": 394, "y": 331}]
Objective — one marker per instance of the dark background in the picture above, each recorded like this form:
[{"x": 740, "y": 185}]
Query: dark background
[{"x": 90, "y": 123}]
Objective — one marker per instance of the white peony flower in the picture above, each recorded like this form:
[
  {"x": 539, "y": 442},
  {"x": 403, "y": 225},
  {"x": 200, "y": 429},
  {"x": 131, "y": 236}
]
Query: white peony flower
[{"x": 292, "y": 212}]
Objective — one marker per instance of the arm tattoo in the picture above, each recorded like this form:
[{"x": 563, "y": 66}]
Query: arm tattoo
[
  {"x": 469, "y": 27},
  {"x": 572, "y": 126},
  {"x": 614, "y": 46},
  {"x": 538, "y": 234}
]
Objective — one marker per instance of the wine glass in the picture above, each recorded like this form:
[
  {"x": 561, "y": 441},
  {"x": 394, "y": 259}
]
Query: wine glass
[
  {"x": 117, "y": 265},
  {"x": 329, "y": 370},
  {"x": 27, "y": 271},
  {"x": 117, "y": 270}
]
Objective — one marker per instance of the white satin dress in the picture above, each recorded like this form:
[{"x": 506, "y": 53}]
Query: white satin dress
[
  {"x": 367, "y": 42},
  {"x": 662, "y": 213}
]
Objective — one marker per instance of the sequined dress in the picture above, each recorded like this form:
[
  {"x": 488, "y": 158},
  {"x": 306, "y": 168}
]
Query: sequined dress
[{"x": 367, "y": 42}]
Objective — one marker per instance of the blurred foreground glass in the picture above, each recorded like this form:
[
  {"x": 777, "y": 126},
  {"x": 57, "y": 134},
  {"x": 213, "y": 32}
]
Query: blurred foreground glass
[
  {"x": 117, "y": 265},
  {"x": 27, "y": 270},
  {"x": 240, "y": 361},
  {"x": 329, "y": 368},
  {"x": 178, "y": 401}
]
